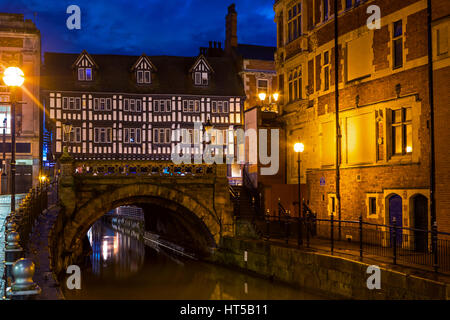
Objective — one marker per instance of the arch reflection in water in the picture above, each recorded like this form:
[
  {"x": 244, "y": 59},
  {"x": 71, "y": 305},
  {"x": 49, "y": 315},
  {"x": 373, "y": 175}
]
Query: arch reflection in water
[
  {"x": 114, "y": 254},
  {"x": 123, "y": 267}
]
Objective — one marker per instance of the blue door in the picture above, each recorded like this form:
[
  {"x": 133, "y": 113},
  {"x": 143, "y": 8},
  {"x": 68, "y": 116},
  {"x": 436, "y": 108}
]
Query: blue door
[{"x": 395, "y": 211}]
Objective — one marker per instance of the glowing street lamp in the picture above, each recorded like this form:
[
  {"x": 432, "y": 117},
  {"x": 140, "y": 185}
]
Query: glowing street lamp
[
  {"x": 272, "y": 101},
  {"x": 262, "y": 96},
  {"x": 299, "y": 148},
  {"x": 13, "y": 77}
]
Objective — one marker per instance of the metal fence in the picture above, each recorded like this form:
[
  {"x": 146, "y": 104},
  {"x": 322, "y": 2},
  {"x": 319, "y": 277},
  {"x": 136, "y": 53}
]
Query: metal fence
[{"x": 410, "y": 246}]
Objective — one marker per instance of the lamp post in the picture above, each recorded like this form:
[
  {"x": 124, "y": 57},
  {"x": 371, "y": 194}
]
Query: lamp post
[
  {"x": 4, "y": 176},
  {"x": 13, "y": 77},
  {"x": 299, "y": 148}
]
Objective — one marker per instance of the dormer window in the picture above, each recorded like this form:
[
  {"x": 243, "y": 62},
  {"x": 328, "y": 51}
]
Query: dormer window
[
  {"x": 201, "y": 71},
  {"x": 143, "y": 69},
  {"x": 143, "y": 76},
  {"x": 84, "y": 74},
  {"x": 84, "y": 67},
  {"x": 201, "y": 78}
]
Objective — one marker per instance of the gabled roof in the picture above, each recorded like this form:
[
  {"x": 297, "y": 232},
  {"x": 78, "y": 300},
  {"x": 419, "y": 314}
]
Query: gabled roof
[
  {"x": 254, "y": 52},
  {"x": 84, "y": 54},
  {"x": 147, "y": 59},
  {"x": 200, "y": 58},
  {"x": 114, "y": 75}
]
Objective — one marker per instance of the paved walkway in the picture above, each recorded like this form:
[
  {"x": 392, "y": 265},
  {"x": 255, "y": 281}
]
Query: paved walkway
[{"x": 38, "y": 250}]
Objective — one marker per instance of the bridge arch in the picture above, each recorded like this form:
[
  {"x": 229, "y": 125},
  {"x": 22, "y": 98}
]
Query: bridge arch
[{"x": 200, "y": 202}]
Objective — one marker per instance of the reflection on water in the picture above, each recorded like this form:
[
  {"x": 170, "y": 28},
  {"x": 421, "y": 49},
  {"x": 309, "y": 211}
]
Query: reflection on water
[
  {"x": 125, "y": 268},
  {"x": 107, "y": 260}
]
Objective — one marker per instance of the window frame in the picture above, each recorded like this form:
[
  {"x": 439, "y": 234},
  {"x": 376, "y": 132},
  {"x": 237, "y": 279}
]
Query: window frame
[
  {"x": 403, "y": 124},
  {"x": 294, "y": 22},
  {"x": 395, "y": 40}
]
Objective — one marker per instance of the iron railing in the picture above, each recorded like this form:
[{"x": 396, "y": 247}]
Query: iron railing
[{"x": 401, "y": 245}]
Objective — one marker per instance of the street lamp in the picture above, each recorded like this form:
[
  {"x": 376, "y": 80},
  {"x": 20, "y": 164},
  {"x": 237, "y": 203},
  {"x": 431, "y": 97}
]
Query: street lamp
[
  {"x": 271, "y": 105},
  {"x": 13, "y": 77},
  {"x": 299, "y": 148}
]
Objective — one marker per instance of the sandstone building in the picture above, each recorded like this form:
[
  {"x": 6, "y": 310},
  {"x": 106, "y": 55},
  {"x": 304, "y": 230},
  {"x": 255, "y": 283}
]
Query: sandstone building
[{"x": 384, "y": 108}]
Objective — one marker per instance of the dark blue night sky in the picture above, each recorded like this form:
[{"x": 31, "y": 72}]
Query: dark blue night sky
[{"x": 156, "y": 27}]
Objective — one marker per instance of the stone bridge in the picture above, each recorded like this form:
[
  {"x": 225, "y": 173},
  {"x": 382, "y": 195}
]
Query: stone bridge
[{"x": 194, "y": 196}]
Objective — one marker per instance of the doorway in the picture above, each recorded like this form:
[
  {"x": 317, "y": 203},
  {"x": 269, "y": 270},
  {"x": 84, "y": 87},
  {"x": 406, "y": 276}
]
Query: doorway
[
  {"x": 420, "y": 214},
  {"x": 395, "y": 211}
]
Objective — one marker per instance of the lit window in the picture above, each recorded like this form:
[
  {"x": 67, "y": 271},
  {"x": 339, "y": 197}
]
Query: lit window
[
  {"x": 401, "y": 131},
  {"x": 191, "y": 105},
  {"x": 88, "y": 74},
  {"x": 85, "y": 74}
]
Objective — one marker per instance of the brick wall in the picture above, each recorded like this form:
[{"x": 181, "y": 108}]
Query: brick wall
[{"x": 442, "y": 146}]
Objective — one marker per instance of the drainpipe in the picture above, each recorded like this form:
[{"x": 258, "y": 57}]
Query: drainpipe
[
  {"x": 431, "y": 101},
  {"x": 336, "y": 95}
]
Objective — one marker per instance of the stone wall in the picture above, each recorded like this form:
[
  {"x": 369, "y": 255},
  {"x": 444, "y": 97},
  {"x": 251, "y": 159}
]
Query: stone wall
[
  {"x": 336, "y": 277},
  {"x": 86, "y": 198}
]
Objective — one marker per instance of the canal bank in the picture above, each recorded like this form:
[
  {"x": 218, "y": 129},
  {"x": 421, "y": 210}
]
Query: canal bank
[{"x": 335, "y": 276}]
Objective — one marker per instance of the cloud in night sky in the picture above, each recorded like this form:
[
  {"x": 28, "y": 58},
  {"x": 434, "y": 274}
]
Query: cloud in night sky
[{"x": 156, "y": 27}]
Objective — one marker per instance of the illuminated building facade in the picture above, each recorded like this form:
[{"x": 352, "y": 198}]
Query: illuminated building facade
[
  {"x": 122, "y": 107},
  {"x": 20, "y": 46},
  {"x": 384, "y": 108}
]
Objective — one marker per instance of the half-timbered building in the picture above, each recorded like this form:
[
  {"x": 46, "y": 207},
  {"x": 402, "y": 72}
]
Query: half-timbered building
[{"x": 129, "y": 107}]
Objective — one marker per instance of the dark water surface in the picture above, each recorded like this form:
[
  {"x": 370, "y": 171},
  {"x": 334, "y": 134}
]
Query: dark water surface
[{"x": 126, "y": 268}]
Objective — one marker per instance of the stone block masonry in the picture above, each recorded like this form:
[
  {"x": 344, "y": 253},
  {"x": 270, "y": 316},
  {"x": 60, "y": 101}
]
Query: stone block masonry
[{"x": 334, "y": 276}]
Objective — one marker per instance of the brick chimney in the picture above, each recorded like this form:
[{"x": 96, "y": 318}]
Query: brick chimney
[{"x": 231, "y": 40}]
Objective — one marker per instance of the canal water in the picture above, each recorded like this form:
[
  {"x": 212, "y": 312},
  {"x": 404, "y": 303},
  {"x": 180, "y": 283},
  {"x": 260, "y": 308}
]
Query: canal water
[{"x": 123, "y": 267}]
